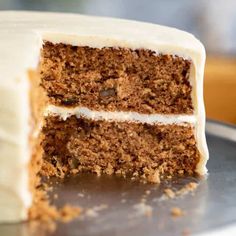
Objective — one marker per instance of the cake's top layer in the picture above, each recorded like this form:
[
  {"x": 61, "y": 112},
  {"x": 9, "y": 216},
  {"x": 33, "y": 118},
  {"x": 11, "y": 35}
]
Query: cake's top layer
[{"x": 22, "y": 34}]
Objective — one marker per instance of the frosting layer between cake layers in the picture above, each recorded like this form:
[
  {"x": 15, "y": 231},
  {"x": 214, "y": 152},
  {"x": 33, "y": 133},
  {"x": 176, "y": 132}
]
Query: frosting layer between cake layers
[
  {"x": 22, "y": 35},
  {"x": 64, "y": 113}
]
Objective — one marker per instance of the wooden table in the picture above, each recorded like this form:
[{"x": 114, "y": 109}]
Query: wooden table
[{"x": 220, "y": 89}]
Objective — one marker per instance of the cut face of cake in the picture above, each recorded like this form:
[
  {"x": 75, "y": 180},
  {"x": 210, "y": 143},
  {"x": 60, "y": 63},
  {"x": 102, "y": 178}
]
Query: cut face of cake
[{"x": 95, "y": 94}]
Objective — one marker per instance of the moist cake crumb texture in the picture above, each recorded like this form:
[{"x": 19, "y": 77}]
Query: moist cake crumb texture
[
  {"x": 108, "y": 79},
  {"x": 117, "y": 147},
  {"x": 116, "y": 79},
  {"x": 177, "y": 212}
]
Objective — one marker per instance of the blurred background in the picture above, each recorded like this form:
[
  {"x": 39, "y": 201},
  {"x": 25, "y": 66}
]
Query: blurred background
[{"x": 212, "y": 21}]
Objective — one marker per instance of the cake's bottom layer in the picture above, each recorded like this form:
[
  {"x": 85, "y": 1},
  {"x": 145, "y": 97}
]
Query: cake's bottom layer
[{"x": 144, "y": 150}]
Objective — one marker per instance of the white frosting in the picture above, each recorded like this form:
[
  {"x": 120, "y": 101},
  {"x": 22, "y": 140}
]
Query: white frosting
[
  {"x": 64, "y": 113},
  {"x": 22, "y": 35}
]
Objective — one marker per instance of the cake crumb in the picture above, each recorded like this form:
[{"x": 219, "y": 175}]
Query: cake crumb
[
  {"x": 169, "y": 192},
  {"x": 74, "y": 171},
  {"x": 188, "y": 188},
  {"x": 93, "y": 212},
  {"x": 68, "y": 213},
  {"x": 109, "y": 170},
  {"x": 143, "y": 209},
  {"x": 181, "y": 172},
  {"x": 97, "y": 169},
  {"x": 135, "y": 174},
  {"x": 191, "y": 186},
  {"x": 47, "y": 187},
  {"x": 42, "y": 211},
  {"x": 177, "y": 212},
  {"x": 152, "y": 176}
]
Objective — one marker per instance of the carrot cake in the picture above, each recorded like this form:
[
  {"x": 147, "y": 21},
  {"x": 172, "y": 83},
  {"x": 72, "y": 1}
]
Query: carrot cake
[{"x": 108, "y": 96}]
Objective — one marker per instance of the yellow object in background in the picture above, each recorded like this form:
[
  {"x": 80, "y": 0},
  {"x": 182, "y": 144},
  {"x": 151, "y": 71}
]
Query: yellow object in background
[{"x": 220, "y": 89}]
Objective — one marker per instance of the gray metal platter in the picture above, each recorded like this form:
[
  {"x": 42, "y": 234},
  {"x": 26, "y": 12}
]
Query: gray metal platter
[{"x": 116, "y": 201}]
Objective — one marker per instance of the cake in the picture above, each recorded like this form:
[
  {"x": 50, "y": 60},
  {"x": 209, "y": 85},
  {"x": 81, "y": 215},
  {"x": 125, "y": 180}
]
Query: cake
[{"x": 108, "y": 96}]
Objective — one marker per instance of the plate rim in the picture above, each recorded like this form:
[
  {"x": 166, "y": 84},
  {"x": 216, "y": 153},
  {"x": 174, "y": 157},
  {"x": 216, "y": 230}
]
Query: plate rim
[{"x": 221, "y": 129}]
